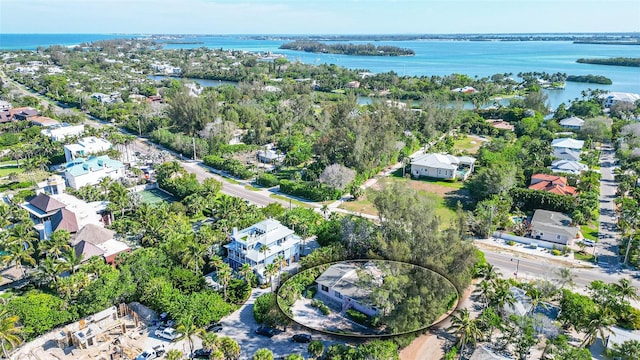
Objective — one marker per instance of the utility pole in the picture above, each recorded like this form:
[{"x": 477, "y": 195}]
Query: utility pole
[
  {"x": 517, "y": 267},
  {"x": 194, "y": 147}
]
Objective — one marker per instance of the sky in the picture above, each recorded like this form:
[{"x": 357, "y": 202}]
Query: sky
[{"x": 318, "y": 16}]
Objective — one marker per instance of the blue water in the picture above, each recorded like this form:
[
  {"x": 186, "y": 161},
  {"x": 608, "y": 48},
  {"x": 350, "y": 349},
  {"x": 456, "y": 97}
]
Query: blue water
[
  {"x": 32, "y": 41},
  {"x": 474, "y": 58}
]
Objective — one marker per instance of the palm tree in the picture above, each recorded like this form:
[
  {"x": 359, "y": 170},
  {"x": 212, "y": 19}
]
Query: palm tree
[
  {"x": 264, "y": 249},
  {"x": 628, "y": 350},
  {"x": 193, "y": 256},
  {"x": 465, "y": 328},
  {"x": 599, "y": 325},
  {"x": 280, "y": 262},
  {"x": 72, "y": 259},
  {"x": 56, "y": 245},
  {"x": 224, "y": 276},
  {"x": 216, "y": 261},
  {"x": 324, "y": 209},
  {"x": 270, "y": 271},
  {"x": 188, "y": 329},
  {"x": 502, "y": 295},
  {"x": 485, "y": 290},
  {"x": 245, "y": 270},
  {"x": 566, "y": 277},
  {"x": 209, "y": 340},
  {"x": 490, "y": 273},
  {"x": 104, "y": 184},
  {"x": 174, "y": 354},
  {"x": 9, "y": 332},
  {"x": 48, "y": 270},
  {"x": 18, "y": 253},
  {"x": 626, "y": 290}
]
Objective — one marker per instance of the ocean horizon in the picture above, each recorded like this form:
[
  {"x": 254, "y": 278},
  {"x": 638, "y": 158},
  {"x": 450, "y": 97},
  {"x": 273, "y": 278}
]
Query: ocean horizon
[{"x": 432, "y": 57}]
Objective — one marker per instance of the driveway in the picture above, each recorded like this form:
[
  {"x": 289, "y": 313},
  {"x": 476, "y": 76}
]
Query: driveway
[
  {"x": 240, "y": 326},
  {"x": 607, "y": 246}
]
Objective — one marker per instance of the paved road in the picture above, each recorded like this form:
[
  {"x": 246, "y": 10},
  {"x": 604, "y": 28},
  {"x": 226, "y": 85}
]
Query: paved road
[
  {"x": 607, "y": 247},
  {"x": 541, "y": 268}
]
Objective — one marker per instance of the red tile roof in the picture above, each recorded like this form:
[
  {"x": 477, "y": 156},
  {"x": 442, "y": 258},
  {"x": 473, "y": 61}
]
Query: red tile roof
[{"x": 551, "y": 183}]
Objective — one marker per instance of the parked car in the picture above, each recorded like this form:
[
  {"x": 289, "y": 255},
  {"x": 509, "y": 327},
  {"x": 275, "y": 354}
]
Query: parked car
[
  {"x": 266, "y": 331},
  {"x": 201, "y": 354},
  {"x": 588, "y": 242},
  {"x": 214, "y": 327},
  {"x": 301, "y": 338},
  {"x": 167, "y": 333},
  {"x": 153, "y": 353}
]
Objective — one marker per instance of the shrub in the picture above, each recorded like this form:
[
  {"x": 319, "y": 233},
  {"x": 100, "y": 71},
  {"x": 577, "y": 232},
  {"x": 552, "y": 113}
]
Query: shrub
[
  {"x": 267, "y": 180},
  {"x": 310, "y": 190},
  {"x": 321, "y": 306},
  {"x": 556, "y": 252},
  {"x": 357, "y": 316},
  {"x": 511, "y": 243},
  {"x": 232, "y": 166}
]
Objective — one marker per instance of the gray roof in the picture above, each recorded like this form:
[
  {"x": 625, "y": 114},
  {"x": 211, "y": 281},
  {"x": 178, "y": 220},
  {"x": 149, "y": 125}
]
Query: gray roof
[
  {"x": 568, "y": 143},
  {"x": 343, "y": 278},
  {"x": 483, "y": 353},
  {"x": 93, "y": 234},
  {"x": 568, "y": 165},
  {"x": 572, "y": 121},
  {"x": 553, "y": 222},
  {"x": 438, "y": 161}
]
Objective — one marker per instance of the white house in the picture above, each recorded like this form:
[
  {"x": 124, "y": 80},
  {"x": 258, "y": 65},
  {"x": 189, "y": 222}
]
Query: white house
[
  {"x": 617, "y": 336},
  {"x": 340, "y": 283},
  {"x": 81, "y": 172},
  {"x": 568, "y": 166},
  {"x": 270, "y": 235},
  {"x": 442, "y": 166},
  {"x": 613, "y": 98},
  {"x": 553, "y": 226},
  {"x": 269, "y": 156},
  {"x": 573, "y": 123},
  {"x": 85, "y": 147},
  {"x": 59, "y": 133},
  {"x": 567, "y": 148}
]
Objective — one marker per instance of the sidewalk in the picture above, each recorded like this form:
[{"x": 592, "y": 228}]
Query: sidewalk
[{"x": 501, "y": 245}]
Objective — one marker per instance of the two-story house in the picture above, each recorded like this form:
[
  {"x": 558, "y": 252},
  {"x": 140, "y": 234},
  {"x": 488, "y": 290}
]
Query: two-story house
[
  {"x": 85, "y": 147},
  {"x": 567, "y": 148},
  {"x": 260, "y": 244}
]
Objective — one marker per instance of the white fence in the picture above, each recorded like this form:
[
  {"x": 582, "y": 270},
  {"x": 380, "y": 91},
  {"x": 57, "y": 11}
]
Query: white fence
[{"x": 527, "y": 241}]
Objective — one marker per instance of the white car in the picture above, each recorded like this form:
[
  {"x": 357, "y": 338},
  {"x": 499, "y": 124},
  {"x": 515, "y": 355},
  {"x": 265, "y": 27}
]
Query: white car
[
  {"x": 150, "y": 354},
  {"x": 167, "y": 333}
]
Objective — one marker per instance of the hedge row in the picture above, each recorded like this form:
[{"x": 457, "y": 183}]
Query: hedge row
[
  {"x": 310, "y": 190},
  {"x": 232, "y": 166}
]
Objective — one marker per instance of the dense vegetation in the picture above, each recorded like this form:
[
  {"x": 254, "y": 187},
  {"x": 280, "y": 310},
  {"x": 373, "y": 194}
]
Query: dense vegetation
[
  {"x": 619, "y": 61},
  {"x": 347, "y": 49},
  {"x": 592, "y": 79}
]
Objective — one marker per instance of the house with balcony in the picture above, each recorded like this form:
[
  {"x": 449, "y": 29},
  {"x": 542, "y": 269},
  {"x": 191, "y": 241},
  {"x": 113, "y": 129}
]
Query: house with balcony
[
  {"x": 567, "y": 148},
  {"x": 572, "y": 123},
  {"x": 81, "y": 172},
  {"x": 260, "y": 244},
  {"x": 85, "y": 147},
  {"x": 442, "y": 166}
]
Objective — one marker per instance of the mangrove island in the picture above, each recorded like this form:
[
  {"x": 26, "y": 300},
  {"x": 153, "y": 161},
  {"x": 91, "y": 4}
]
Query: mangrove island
[{"x": 347, "y": 49}]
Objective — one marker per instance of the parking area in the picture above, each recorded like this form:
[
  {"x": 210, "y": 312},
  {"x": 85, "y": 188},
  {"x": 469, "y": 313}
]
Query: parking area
[{"x": 241, "y": 327}]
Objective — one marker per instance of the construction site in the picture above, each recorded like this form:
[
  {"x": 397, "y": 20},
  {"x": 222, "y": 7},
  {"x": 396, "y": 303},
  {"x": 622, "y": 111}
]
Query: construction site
[{"x": 119, "y": 332}]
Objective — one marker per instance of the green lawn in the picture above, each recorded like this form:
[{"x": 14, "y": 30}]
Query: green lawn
[
  {"x": 589, "y": 233},
  {"x": 293, "y": 201},
  {"x": 583, "y": 256},
  {"x": 6, "y": 170},
  {"x": 467, "y": 144}
]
